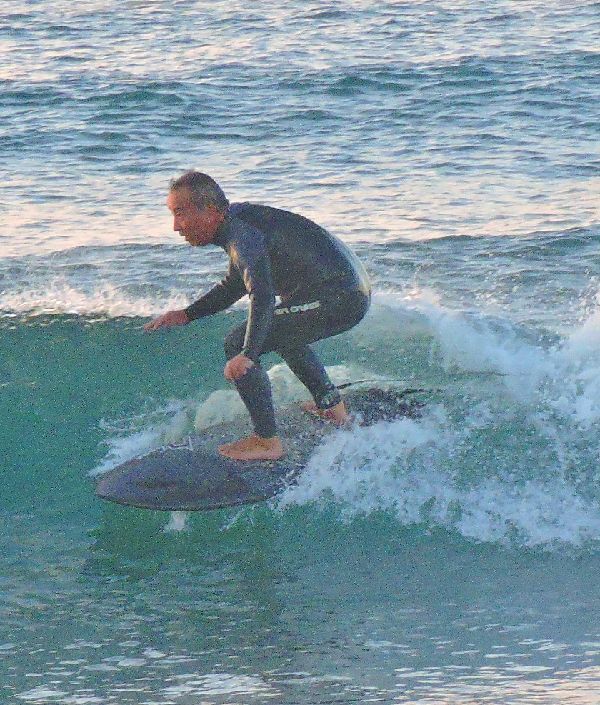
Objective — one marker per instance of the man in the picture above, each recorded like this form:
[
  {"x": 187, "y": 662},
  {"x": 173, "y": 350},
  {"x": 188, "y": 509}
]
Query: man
[{"x": 323, "y": 289}]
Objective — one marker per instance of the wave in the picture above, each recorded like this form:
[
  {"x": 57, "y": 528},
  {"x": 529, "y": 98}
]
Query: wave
[
  {"x": 507, "y": 458},
  {"x": 506, "y": 451},
  {"x": 141, "y": 280},
  {"x": 105, "y": 300},
  {"x": 127, "y": 280},
  {"x": 417, "y": 471}
]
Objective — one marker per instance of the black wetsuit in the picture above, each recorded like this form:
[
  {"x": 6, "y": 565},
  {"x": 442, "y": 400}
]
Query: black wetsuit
[{"x": 323, "y": 288}]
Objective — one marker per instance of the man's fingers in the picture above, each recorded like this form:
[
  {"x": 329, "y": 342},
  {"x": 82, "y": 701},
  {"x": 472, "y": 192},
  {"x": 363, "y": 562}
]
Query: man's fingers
[
  {"x": 153, "y": 325},
  {"x": 171, "y": 318}
]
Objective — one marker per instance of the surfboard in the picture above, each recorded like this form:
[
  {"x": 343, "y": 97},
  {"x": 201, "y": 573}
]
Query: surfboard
[{"x": 192, "y": 476}]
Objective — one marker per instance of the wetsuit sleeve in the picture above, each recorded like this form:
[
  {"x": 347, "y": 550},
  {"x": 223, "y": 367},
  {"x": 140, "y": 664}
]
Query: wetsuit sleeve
[
  {"x": 220, "y": 297},
  {"x": 258, "y": 282}
]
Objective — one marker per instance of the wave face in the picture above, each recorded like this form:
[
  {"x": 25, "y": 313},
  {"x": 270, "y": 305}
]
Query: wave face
[{"x": 505, "y": 452}]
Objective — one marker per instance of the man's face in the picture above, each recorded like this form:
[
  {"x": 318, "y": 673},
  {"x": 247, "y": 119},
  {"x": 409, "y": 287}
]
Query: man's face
[{"x": 197, "y": 225}]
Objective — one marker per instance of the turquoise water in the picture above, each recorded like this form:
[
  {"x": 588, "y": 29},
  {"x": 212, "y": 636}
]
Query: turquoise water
[{"x": 451, "y": 559}]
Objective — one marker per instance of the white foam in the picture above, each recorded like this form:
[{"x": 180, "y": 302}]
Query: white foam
[
  {"x": 358, "y": 466},
  {"x": 41, "y": 693},
  {"x": 123, "y": 446},
  {"x": 471, "y": 342},
  {"x": 177, "y": 522},
  {"x": 226, "y": 405},
  {"x": 497, "y": 460},
  {"x": 577, "y": 365},
  {"x": 61, "y": 297},
  {"x": 565, "y": 377},
  {"x": 412, "y": 468}
]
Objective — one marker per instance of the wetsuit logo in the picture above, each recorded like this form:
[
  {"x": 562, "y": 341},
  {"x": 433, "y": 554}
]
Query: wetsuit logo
[{"x": 298, "y": 308}]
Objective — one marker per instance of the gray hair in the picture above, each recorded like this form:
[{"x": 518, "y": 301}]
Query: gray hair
[{"x": 204, "y": 189}]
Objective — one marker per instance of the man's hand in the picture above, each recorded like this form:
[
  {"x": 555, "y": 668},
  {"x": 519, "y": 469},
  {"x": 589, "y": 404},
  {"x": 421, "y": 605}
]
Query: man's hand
[
  {"x": 237, "y": 367},
  {"x": 171, "y": 318}
]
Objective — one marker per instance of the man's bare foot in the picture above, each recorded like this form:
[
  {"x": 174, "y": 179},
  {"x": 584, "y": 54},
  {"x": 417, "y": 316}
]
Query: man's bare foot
[
  {"x": 253, "y": 448},
  {"x": 337, "y": 414}
]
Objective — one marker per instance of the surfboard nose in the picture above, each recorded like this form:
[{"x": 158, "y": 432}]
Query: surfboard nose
[
  {"x": 184, "y": 480},
  {"x": 172, "y": 488}
]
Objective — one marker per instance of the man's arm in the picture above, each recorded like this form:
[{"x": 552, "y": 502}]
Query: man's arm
[
  {"x": 216, "y": 299},
  {"x": 259, "y": 285},
  {"x": 220, "y": 297},
  {"x": 256, "y": 273}
]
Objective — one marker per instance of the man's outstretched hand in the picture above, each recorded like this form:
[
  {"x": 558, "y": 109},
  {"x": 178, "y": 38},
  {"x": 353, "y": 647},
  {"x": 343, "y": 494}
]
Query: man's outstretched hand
[{"x": 167, "y": 320}]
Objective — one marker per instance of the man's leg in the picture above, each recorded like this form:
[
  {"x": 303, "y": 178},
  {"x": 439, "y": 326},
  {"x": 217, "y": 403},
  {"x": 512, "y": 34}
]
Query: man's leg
[
  {"x": 297, "y": 324},
  {"x": 254, "y": 389},
  {"x": 305, "y": 364}
]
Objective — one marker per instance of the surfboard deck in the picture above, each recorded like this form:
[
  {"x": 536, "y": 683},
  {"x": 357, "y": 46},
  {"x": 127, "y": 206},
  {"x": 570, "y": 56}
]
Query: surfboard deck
[{"x": 192, "y": 476}]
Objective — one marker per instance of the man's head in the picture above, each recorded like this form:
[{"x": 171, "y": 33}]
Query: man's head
[{"x": 198, "y": 206}]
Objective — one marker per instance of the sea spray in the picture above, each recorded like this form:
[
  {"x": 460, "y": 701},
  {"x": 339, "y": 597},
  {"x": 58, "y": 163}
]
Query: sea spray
[
  {"x": 153, "y": 429},
  {"x": 494, "y": 457},
  {"x": 178, "y": 522}
]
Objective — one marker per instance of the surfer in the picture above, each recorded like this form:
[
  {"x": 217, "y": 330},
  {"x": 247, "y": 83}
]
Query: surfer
[{"x": 323, "y": 290}]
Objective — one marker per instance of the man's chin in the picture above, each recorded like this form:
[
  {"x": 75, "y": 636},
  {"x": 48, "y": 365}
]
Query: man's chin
[{"x": 195, "y": 240}]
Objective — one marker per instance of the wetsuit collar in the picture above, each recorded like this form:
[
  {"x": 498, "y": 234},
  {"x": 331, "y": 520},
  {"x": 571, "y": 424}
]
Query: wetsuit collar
[{"x": 223, "y": 233}]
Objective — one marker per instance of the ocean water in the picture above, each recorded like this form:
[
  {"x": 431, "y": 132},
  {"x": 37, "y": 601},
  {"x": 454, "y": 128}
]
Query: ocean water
[{"x": 450, "y": 559}]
